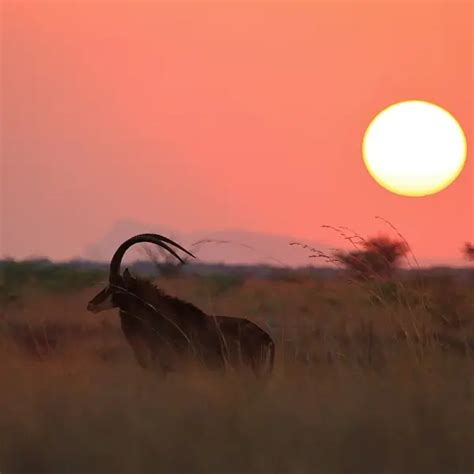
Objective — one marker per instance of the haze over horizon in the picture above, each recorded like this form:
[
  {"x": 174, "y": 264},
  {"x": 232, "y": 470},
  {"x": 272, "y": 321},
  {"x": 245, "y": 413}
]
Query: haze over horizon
[
  {"x": 215, "y": 117},
  {"x": 229, "y": 247}
]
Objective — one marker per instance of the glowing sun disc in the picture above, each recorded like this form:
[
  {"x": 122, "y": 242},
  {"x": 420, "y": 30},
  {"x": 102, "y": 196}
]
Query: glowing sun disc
[{"x": 414, "y": 148}]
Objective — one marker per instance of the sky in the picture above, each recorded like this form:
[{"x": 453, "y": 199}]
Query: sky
[{"x": 201, "y": 116}]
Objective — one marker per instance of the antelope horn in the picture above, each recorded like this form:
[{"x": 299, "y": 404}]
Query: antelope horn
[{"x": 157, "y": 239}]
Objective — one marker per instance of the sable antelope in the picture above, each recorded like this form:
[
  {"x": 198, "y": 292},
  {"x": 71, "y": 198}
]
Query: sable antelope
[{"x": 168, "y": 333}]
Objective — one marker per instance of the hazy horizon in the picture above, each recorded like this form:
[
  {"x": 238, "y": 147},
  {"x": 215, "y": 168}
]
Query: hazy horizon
[{"x": 230, "y": 247}]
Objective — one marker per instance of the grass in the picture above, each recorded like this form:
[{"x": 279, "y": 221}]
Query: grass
[{"x": 369, "y": 378}]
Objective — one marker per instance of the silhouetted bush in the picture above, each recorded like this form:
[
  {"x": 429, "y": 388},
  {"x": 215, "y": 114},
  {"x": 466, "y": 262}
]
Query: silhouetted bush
[
  {"x": 378, "y": 257},
  {"x": 468, "y": 251}
]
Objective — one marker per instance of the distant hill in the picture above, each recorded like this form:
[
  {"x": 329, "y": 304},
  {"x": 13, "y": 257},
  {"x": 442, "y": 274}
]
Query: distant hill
[{"x": 232, "y": 247}]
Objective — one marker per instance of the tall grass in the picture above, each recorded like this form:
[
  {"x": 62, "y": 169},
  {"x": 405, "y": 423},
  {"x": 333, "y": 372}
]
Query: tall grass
[{"x": 369, "y": 378}]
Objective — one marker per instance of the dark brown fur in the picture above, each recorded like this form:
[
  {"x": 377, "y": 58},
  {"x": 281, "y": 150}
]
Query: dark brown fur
[{"x": 168, "y": 333}]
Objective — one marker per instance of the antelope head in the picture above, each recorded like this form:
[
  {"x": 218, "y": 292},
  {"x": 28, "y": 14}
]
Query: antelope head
[{"x": 111, "y": 296}]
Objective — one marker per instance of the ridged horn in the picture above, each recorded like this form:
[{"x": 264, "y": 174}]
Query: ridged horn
[{"x": 160, "y": 240}]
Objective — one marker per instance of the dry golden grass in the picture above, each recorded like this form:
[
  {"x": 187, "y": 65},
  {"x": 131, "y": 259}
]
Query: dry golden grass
[{"x": 373, "y": 379}]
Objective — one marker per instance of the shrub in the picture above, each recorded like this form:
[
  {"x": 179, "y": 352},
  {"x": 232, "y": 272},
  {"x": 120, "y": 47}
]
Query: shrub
[
  {"x": 378, "y": 257},
  {"x": 468, "y": 251}
]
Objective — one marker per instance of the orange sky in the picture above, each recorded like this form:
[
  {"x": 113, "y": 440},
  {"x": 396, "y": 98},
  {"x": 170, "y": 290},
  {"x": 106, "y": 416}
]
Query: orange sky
[{"x": 221, "y": 116}]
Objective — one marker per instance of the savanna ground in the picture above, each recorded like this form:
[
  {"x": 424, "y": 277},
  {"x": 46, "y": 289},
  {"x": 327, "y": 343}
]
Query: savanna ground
[{"x": 369, "y": 378}]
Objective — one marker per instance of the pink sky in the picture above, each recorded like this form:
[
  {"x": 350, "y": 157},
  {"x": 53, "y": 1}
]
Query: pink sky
[{"x": 210, "y": 116}]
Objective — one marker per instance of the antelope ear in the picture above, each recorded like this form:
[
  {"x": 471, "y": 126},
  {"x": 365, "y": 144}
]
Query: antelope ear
[{"x": 127, "y": 276}]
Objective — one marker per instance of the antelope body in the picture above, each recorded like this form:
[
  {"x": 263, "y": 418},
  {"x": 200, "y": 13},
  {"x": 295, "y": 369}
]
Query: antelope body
[{"x": 170, "y": 334}]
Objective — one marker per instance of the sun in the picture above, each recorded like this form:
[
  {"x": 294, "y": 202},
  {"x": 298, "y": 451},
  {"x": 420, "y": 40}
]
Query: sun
[{"x": 414, "y": 148}]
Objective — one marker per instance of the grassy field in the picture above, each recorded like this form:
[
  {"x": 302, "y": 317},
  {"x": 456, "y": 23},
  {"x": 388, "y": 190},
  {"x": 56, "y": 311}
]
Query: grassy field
[{"x": 369, "y": 378}]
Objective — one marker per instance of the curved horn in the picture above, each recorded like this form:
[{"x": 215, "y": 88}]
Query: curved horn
[{"x": 160, "y": 240}]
